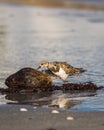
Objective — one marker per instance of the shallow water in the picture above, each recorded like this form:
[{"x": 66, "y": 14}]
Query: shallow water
[{"x": 29, "y": 35}]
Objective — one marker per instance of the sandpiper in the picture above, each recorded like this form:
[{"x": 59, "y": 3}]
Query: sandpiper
[{"x": 61, "y": 69}]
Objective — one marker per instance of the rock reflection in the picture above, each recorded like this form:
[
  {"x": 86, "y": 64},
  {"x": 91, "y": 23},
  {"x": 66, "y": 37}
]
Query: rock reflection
[
  {"x": 30, "y": 99},
  {"x": 54, "y": 99}
]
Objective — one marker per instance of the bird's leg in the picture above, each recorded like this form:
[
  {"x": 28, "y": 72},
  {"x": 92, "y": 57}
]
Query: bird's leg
[
  {"x": 65, "y": 82},
  {"x": 64, "y": 85}
]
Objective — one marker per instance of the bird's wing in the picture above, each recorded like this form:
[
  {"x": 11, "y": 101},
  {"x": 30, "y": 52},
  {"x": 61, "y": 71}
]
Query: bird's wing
[{"x": 68, "y": 68}]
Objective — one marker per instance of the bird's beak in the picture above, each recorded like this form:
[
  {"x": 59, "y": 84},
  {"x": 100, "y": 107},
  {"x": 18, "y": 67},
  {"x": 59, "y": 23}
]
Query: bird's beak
[{"x": 38, "y": 67}]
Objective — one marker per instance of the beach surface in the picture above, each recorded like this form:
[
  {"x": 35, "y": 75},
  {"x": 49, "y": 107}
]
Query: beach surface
[
  {"x": 74, "y": 36},
  {"x": 13, "y": 118}
]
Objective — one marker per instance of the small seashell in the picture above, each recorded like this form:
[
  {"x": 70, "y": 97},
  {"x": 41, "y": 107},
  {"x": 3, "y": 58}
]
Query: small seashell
[
  {"x": 35, "y": 107},
  {"x": 55, "y": 112},
  {"x": 23, "y": 109},
  {"x": 69, "y": 118}
]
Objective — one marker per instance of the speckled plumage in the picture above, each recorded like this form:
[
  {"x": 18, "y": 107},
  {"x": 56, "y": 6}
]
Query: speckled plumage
[{"x": 61, "y": 69}]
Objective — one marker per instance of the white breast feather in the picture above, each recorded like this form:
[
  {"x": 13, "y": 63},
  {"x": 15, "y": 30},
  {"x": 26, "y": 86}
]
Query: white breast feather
[{"x": 61, "y": 73}]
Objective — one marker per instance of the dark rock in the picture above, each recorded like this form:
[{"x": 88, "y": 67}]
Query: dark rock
[{"x": 28, "y": 78}]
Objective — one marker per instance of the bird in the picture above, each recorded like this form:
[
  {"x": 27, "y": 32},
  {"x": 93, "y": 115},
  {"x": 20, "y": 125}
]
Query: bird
[{"x": 61, "y": 69}]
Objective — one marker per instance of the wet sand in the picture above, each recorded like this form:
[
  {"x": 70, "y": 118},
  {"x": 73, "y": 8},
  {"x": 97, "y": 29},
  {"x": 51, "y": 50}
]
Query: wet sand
[{"x": 11, "y": 118}]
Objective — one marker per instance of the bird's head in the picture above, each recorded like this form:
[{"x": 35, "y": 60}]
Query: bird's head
[{"x": 43, "y": 64}]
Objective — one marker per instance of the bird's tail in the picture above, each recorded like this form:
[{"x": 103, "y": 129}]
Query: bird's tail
[{"x": 79, "y": 70}]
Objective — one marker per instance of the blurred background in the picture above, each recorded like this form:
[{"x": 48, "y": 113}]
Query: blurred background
[{"x": 85, "y": 4}]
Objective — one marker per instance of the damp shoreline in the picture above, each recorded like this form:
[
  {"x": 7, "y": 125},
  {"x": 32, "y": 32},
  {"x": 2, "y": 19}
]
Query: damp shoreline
[{"x": 32, "y": 119}]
